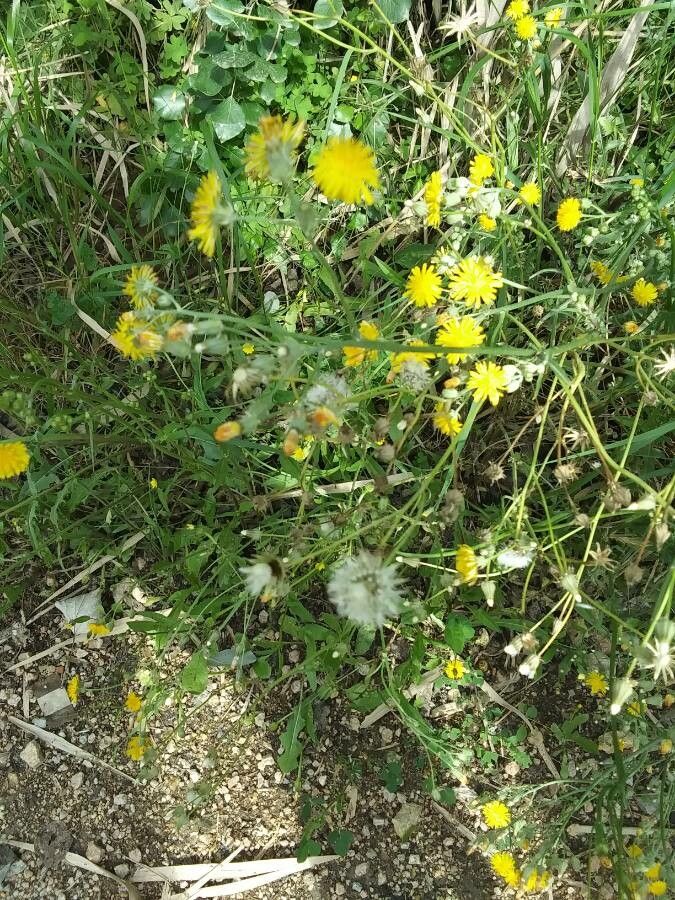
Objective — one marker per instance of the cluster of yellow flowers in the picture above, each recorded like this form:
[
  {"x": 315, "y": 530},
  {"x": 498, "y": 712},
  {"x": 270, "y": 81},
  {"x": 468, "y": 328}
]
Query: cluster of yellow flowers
[
  {"x": 525, "y": 24},
  {"x": 505, "y": 866},
  {"x": 137, "y": 745}
]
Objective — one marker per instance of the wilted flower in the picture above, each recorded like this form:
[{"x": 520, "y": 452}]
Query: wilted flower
[
  {"x": 529, "y": 667},
  {"x": 665, "y": 366},
  {"x": 516, "y": 557},
  {"x": 623, "y": 688},
  {"x": 263, "y": 578},
  {"x": 366, "y": 589},
  {"x": 659, "y": 654},
  {"x": 270, "y": 153}
]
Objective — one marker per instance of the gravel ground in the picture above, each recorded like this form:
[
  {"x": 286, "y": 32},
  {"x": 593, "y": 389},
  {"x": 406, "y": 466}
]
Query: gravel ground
[{"x": 215, "y": 776}]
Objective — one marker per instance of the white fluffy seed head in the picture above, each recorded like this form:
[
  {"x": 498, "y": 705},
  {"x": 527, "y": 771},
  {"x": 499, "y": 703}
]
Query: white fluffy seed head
[{"x": 363, "y": 588}]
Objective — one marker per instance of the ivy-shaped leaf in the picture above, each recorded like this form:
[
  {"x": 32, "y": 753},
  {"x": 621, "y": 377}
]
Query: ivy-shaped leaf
[
  {"x": 228, "y": 119},
  {"x": 169, "y": 102}
]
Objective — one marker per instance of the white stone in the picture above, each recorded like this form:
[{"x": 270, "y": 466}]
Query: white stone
[
  {"x": 135, "y": 855},
  {"x": 32, "y": 755},
  {"x": 94, "y": 853},
  {"x": 53, "y": 702}
]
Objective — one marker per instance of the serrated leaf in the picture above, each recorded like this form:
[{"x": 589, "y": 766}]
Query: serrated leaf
[
  {"x": 228, "y": 119},
  {"x": 306, "y": 849},
  {"x": 234, "y": 58},
  {"x": 330, "y": 11},
  {"x": 458, "y": 631},
  {"x": 60, "y": 308},
  {"x": 341, "y": 840},
  {"x": 169, "y": 102},
  {"x": 395, "y": 10},
  {"x": 195, "y": 675}
]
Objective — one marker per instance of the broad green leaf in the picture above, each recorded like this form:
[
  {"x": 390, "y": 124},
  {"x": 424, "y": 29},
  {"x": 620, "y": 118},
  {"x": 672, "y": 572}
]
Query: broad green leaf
[
  {"x": 228, "y": 119},
  {"x": 341, "y": 840},
  {"x": 221, "y": 11},
  {"x": 169, "y": 102},
  {"x": 330, "y": 11},
  {"x": 195, "y": 675},
  {"x": 458, "y": 631},
  {"x": 261, "y": 70},
  {"x": 234, "y": 58},
  {"x": 395, "y": 10},
  {"x": 306, "y": 849},
  {"x": 290, "y": 741}
]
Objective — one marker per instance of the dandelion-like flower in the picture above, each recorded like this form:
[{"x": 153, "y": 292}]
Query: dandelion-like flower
[
  {"x": 424, "y": 286},
  {"x": 644, "y": 292},
  {"x": 496, "y": 814},
  {"x": 227, "y": 431},
  {"x": 133, "y": 702},
  {"x": 365, "y": 589},
  {"x": 462, "y": 24},
  {"x": 136, "y": 748},
  {"x": 537, "y": 881},
  {"x": 480, "y": 169},
  {"x": 568, "y": 215},
  {"x": 657, "y": 888},
  {"x": 14, "y": 458},
  {"x": 263, "y": 578},
  {"x": 504, "y": 865},
  {"x": 530, "y": 193},
  {"x": 553, "y": 17},
  {"x": 446, "y": 421},
  {"x": 526, "y": 28},
  {"x": 602, "y": 272},
  {"x": 596, "y": 683},
  {"x": 208, "y": 214},
  {"x": 488, "y": 381},
  {"x": 345, "y": 170},
  {"x": 659, "y": 654},
  {"x": 433, "y": 195},
  {"x": 141, "y": 286},
  {"x": 355, "y": 356},
  {"x": 73, "y": 689},
  {"x": 462, "y": 334},
  {"x": 466, "y": 564},
  {"x": 330, "y": 393},
  {"x": 517, "y": 9},
  {"x": 454, "y": 669},
  {"x": 474, "y": 281},
  {"x": 98, "y": 629},
  {"x": 270, "y": 152},
  {"x": 134, "y": 338},
  {"x": 487, "y": 223},
  {"x": 666, "y": 364}
]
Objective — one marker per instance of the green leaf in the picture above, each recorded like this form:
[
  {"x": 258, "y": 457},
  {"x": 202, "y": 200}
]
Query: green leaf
[
  {"x": 392, "y": 775},
  {"x": 220, "y": 12},
  {"x": 306, "y": 849},
  {"x": 330, "y": 11},
  {"x": 395, "y": 10},
  {"x": 195, "y": 675},
  {"x": 169, "y": 102},
  {"x": 234, "y": 58},
  {"x": 262, "y": 71},
  {"x": 290, "y": 741},
  {"x": 458, "y": 632},
  {"x": 341, "y": 840},
  {"x": 228, "y": 119},
  {"x": 60, "y": 308}
]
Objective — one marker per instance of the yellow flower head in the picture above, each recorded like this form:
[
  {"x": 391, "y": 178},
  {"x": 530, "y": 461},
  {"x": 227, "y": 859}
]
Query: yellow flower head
[
  {"x": 487, "y": 223},
  {"x": 462, "y": 334},
  {"x": 553, "y": 17},
  {"x": 517, "y": 9},
  {"x": 141, "y": 286},
  {"x": 454, "y": 669},
  {"x": 631, "y": 327},
  {"x": 633, "y": 851},
  {"x": 537, "y": 881},
  {"x": 98, "y": 629},
  {"x": 568, "y": 215},
  {"x": 466, "y": 564},
  {"x": 133, "y": 702},
  {"x": 657, "y": 888},
  {"x": 354, "y": 356},
  {"x": 208, "y": 214},
  {"x": 422, "y": 357},
  {"x": 446, "y": 421},
  {"x": 474, "y": 281},
  {"x": 526, "y": 28},
  {"x": 270, "y": 153},
  {"x": 530, "y": 193},
  {"x": 14, "y": 458},
  {"x": 134, "y": 339},
  {"x": 504, "y": 865},
  {"x": 154, "y": 484},
  {"x": 602, "y": 272},
  {"x": 644, "y": 292},
  {"x": 653, "y": 872},
  {"x": 665, "y": 746},
  {"x": 433, "y": 195},
  {"x": 137, "y": 747},
  {"x": 488, "y": 381},
  {"x": 496, "y": 814},
  {"x": 227, "y": 431},
  {"x": 635, "y": 708},
  {"x": 345, "y": 170},
  {"x": 596, "y": 683},
  {"x": 424, "y": 286},
  {"x": 73, "y": 689},
  {"x": 301, "y": 453},
  {"x": 248, "y": 349},
  {"x": 480, "y": 169}
]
